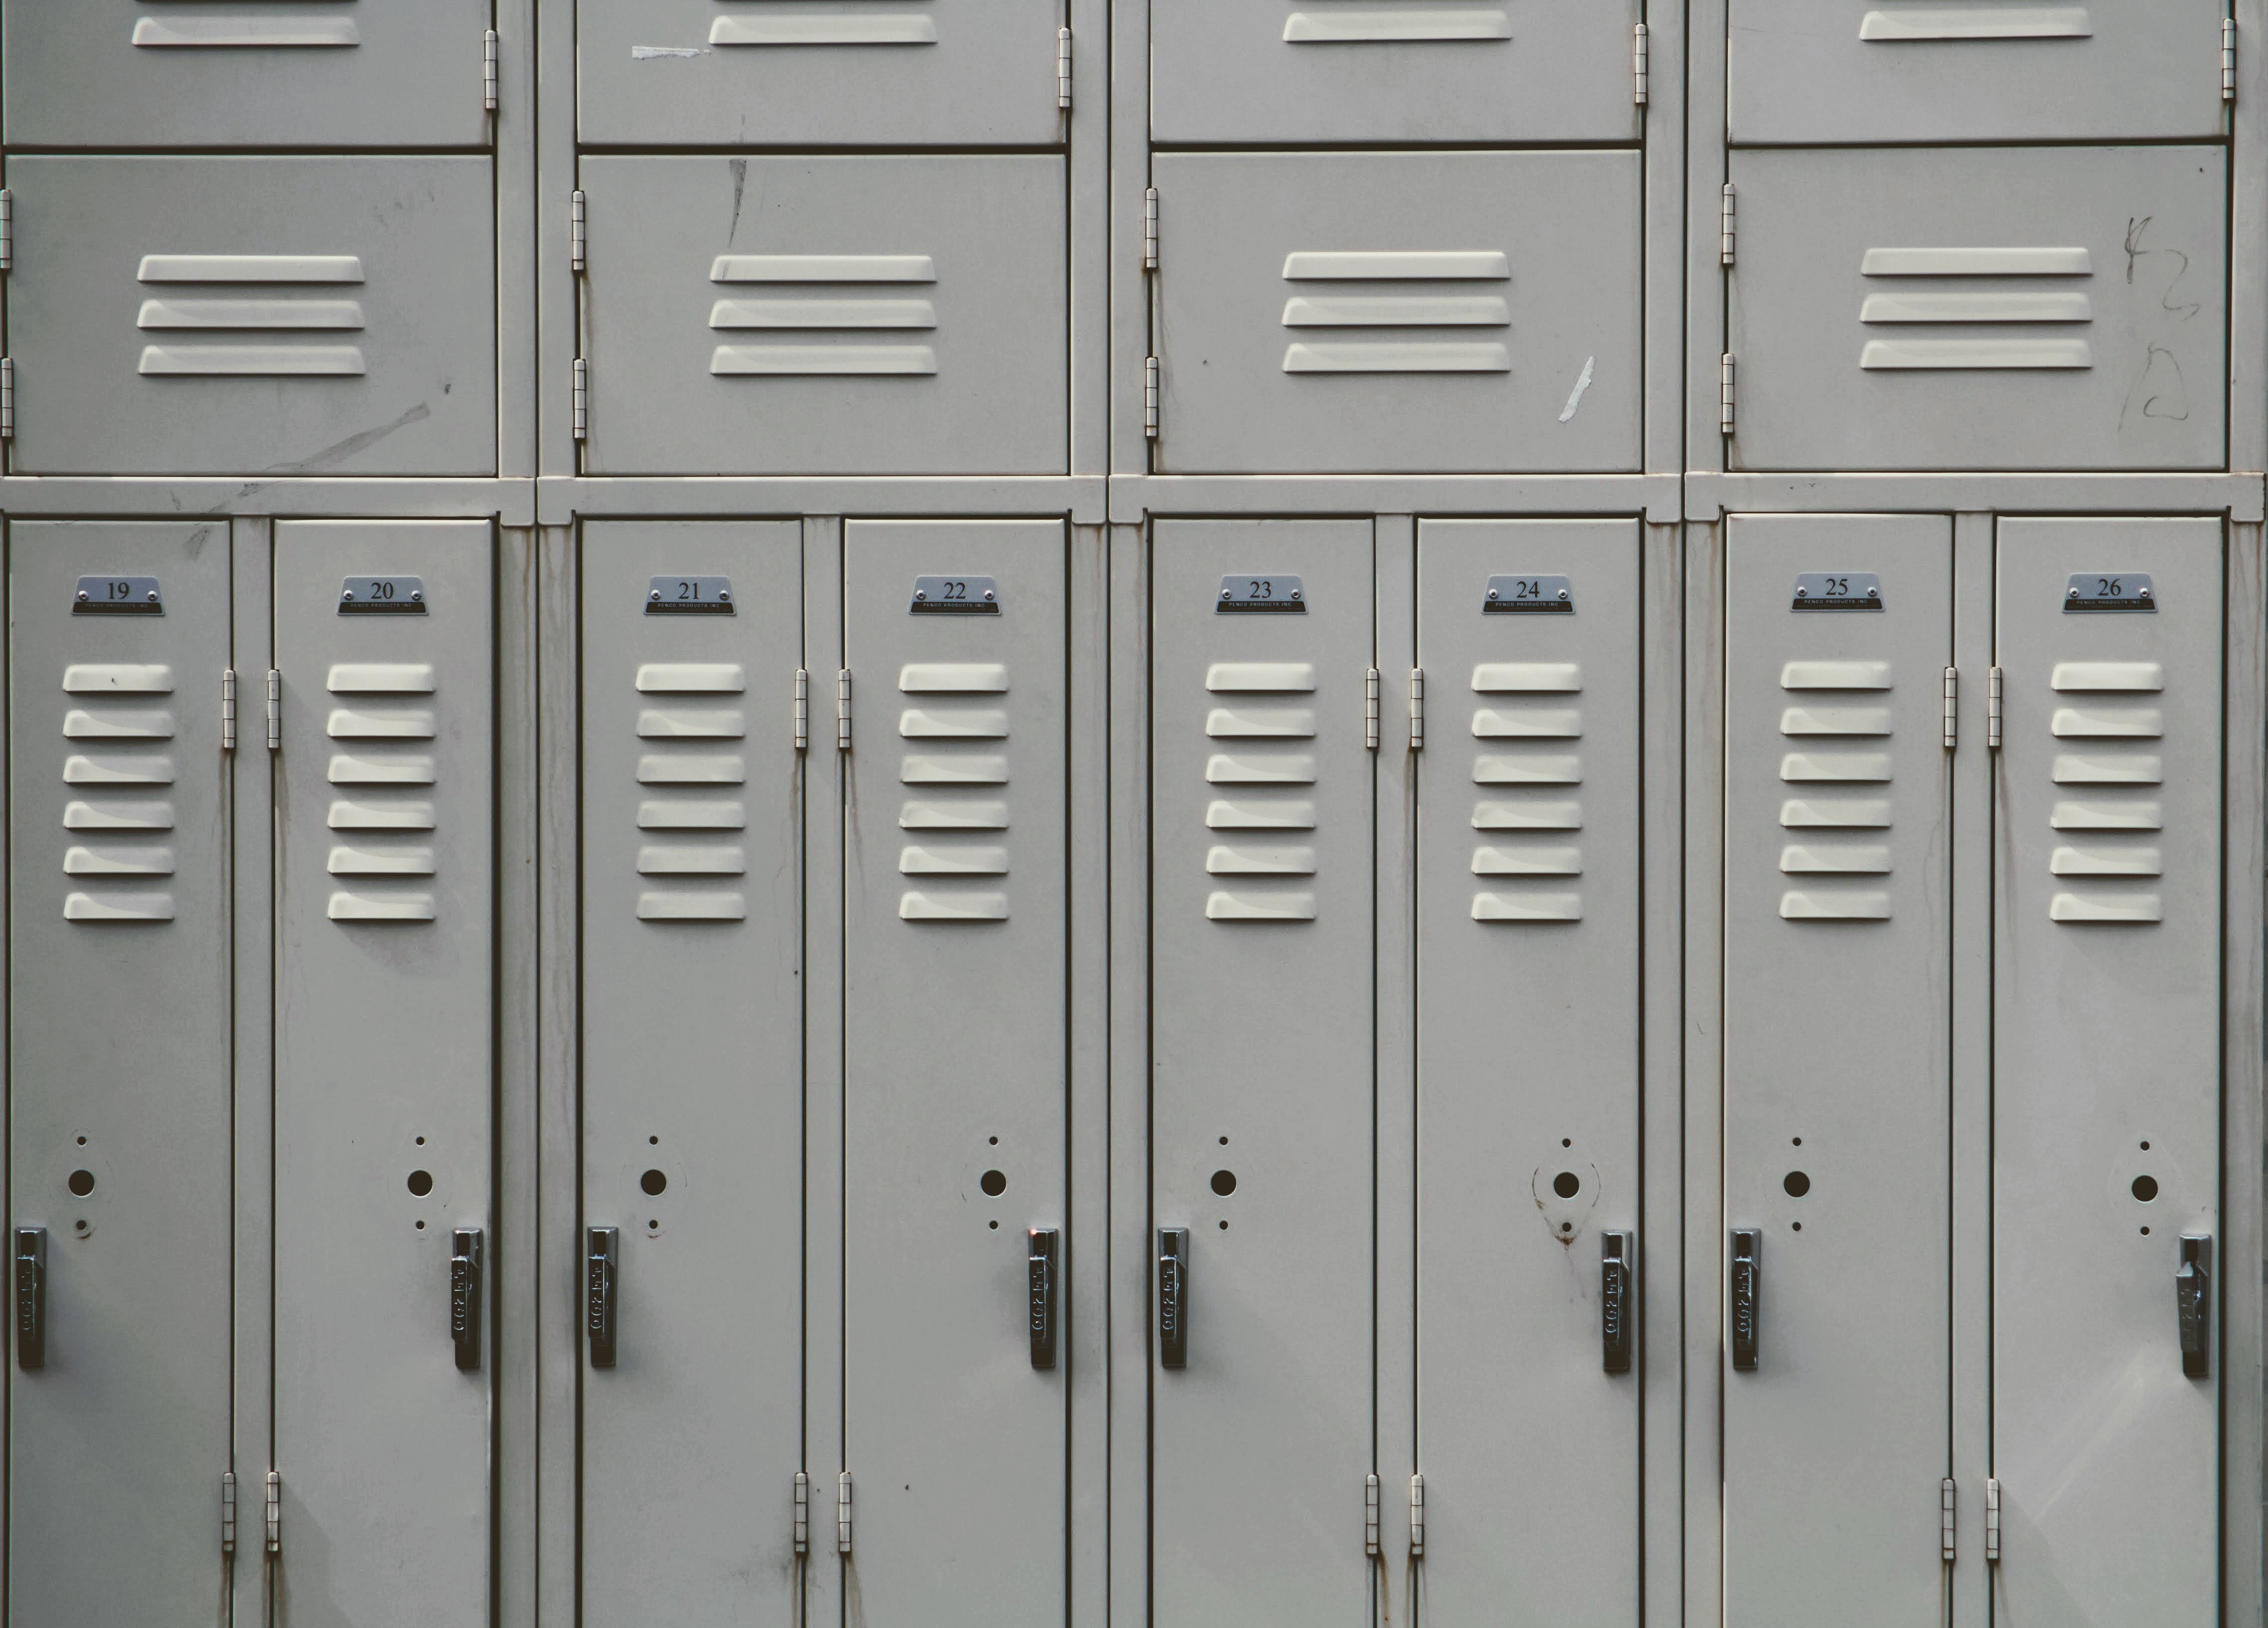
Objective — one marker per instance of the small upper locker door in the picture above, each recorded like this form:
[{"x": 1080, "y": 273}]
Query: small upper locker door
[
  {"x": 2106, "y": 1092},
  {"x": 284, "y": 316},
  {"x": 1837, "y": 1095},
  {"x": 384, "y": 1075},
  {"x": 1528, "y": 1067},
  {"x": 838, "y": 315},
  {"x": 2013, "y": 308},
  {"x": 1393, "y": 313},
  {"x": 268, "y": 74},
  {"x": 956, "y": 976},
  {"x": 1965, "y": 70},
  {"x": 749, "y": 73},
  {"x": 1262, "y": 1058},
  {"x": 120, "y": 1062},
  {"x": 1354, "y": 71},
  {"x": 692, "y": 843}
]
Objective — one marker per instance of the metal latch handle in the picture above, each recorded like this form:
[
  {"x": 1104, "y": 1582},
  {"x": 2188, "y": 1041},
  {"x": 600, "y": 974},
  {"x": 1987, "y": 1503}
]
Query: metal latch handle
[
  {"x": 1618, "y": 1257},
  {"x": 1747, "y": 1295},
  {"x": 601, "y": 1255},
  {"x": 31, "y": 1297},
  {"x": 2193, "y": 1304},
  {"x": 1173, "y": 1297},
  {"x": 464, "y": 1296},
  {"x": 1039, "y": 1260}
]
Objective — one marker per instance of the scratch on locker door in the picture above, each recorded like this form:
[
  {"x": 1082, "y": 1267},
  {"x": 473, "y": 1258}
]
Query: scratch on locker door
[
  {"x": 339, "y": 452},
  {"x": 740, "y": 186},
  {"x": 1575, "y": 399}
]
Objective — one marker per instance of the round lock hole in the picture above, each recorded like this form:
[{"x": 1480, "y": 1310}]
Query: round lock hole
[
  {"x": 421, "y": 1227},
  {"x": 1567, "y": 1184},
  {"x": 994, "y": 1183},
  {"x": 1224, "y": 1183},
  {"x": 81, "y": 1182},
  {"x": 1566, "y": 1141},
  {"x": 2146, "y": 1146},
  {"x": 1797, "y": 1184},
  {"x": 995, "y": 1226},
  {"x": 82, "y": 1142},
  {"x": 654, "y": 1183},
  {"x": 2145, "y": 1188},
  {"x": 421, "y": 1183}
]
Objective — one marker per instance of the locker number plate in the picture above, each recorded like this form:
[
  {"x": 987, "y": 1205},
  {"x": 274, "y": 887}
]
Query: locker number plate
[
  {"x": 954, "y": 596},
  {"x": 382, "y": 596},
  {"x": 1528, "y": 596},
  {"x": 118, "y": 596},
  {"x": 690, "y": 596},
  {"x": 1261, "y": 596},
  {"x": 2103, "y": 590},
  {"x": 1826, "y": 590}
]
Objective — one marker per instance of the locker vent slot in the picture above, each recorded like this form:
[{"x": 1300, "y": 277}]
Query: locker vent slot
[
  {"x": 120, "y": 847},
  {"x": 288, "y": 29},
  {"x": 1417, "y": 290},
  {"x": 245, "y": 310},
  {"x": 1891, "y": 24},
  {"x": 685, "y": 863},
  {"x": 385, "y": 869},
  {"x": 1266, "y": 718},
  {"x": 1832, "y": 877},
  {"x": 1525, "y": 718},
  {"x": 953, "y": 857},
  {"x": 828, "y": 321},
  {"x": 795, "y": 28},
  {"x": 1964, "y": 306},
  {"x": 2108, "y": 871}
]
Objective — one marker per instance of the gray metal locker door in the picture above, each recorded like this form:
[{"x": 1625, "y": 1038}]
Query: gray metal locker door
[
  {"x": 1344, "y": 313},
  {"x": 384, "y": 1080},
  {"x": 1528, "y": 1067},
  {"x": 120, "y": 1062},
  {"x": 1837, "y": 1105},
  {"x": 2016, "y": 308},
  {"x": 1262, "y": 1040},
  {"x": 156, "y": 73},
  {"x": 1924, "y": 70},
  {"x": 919, "y": 73},
  {"x": 692, "y": 1068},
  {"x": 954, "y": 1099},
  {"x": 280, "y": 316},
  {"x": 1325, "y": 70},
  {"x": 2106, "y": 1135},
  {"x": 855, "y": 315}
]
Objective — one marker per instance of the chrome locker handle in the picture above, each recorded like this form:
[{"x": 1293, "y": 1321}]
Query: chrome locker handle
[
  {"x": 1619, "y": 1257},
  {"x": 464, "y": 1296},
  {"x": 1747, "y": 1295},
  {"x": 1040, "y": 1303},
  {"x": 1173, "y": 1297},
  {"x": 602, "y": 1255},
  {"x": 2193, "y": 1304},
  {"x": 31, "y": 1297}
]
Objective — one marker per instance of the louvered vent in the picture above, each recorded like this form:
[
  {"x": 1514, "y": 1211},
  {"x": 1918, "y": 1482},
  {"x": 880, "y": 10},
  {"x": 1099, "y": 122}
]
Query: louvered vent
[
  {"x": 1262, "y": 773},
  {"x": 1529, "y": 814},
  {"x": 955, "y": 722},
  {"x": 1413, "y": 311},
  {"x": 1836, "y": 813},
  {"x": 823, "y": 330},
  {"x": 1997, "y": 308},
  {"x": 243, "y": 315},
  {"x": 2108, "y": 769},
  {"x": 383, "y": 771},
  {"x": 119, "y": 819},
  {"x": 691, "y": 766}
]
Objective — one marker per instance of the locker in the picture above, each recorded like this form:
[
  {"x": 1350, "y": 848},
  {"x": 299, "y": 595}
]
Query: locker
[
  {"x": 954, "y": 1044},
  {"x": 277, "y": 316},
  {"x": 1328, "y": 70},
  {"x": 1923, "y": 71},
  {"x": 692, "y": 1066},
  {"x": 120, "y": 1064},
  {"x": 921, "y": 73},
  {"x": 2107, "y": 1069},
  {"x": 160, "y": 73},
  {"x": 1980, "y": 309},
  {"x": 385, "y": 882},
  {"x": 1836, "y": 1099},
  {"x": 856, "y": 316},
  {"x": 1340, "y": 312},
  {"x": 1261, "y": 1040},
  {"x": 1527, "y": 980}
]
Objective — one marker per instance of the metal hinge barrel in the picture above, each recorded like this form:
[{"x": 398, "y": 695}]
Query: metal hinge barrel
[
  {"x": 1727, "y": 224},
  {"x": 1992, "y": 1523},
  {"x": 274, "y": 711},
  {"x": 1417, "y": 1517},
  {"x": 802, "y": 709},
  {"x": 1638, "y": 64},
  {"x": 275, "y": 1512},
  {"x": 489, "y": 71},
  {"x": 1724, "y": 394},
  {"x": 1416, "y": 709},
  {"x": 842, "y": 710},
  {"x": 578, "y": 232},
  {"x": 228, "y": 1512},
  {"x": 1370, "y": 709},
  {"x": 228, "y": 709},
  {"x": 1952, "y": 707},
  {"x": 1149, "y": 229},
  {"x": 802, "y": 1513},
  {"x": 842, "y": 1514},
  {"x": 1062, "y": 70},
  {"x": 2229, "y": 59},
  {"x": 1150, "y": 397},
  {"x": 582, "y": 399},
  {"x": 1370, "y": 1515},
  {"x": 7, "y": 398},
  {"x": 7, "y": 229},
  {"x": 1992, "y": 710},
  {"x": 1945, "y": 1519}
]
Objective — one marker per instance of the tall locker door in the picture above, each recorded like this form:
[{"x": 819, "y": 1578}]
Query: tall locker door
[
  {"x": 154, "y": 73},
  {"x": 955, "y": 985},
  {"x": 1307, "y": 71},
  {"x": 2106, "y": 1144},
  {"x": 1837, "y": 1011},
  {"x": 1528, "y": 1069},
  {"x": 383, "y": 1068},
  {"x": 920, "y": 73},
  {"x": 692, "y": 1068},
  {"x": 120, "y": 1062},
  {"x": 1262, "y": 1043}
]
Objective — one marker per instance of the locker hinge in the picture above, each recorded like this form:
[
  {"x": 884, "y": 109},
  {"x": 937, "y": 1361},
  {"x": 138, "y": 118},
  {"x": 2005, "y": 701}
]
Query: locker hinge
[
  {"x": 1724, "y": 394},
  {"x": 7, "y": 229},
  {"x": 842, "y": 1514},
  {"x": 1416, "y": 709},
  {"x": 228, "y": 725},
  {"x": 1369, "y": 710},
  {"x": 1945, "y": 1519},
  {"x": 1992, "y": 710},
  {"x": 842, "y": 737},
  {"x": 1370, "y": 1516},
  {"x": 582, "y": 399},
  {"x": 1951, "y": 719},
  {"x": 802, "y": 1513},
  {"x": 578, "y": 232},
  {"x": 1062, "y": 70},
  {"x": 1149, "y": 228},
  {"x": 802, "y": 712},
  {"x": 1637, "y": 64},
  {"x": 228, "y": 1512},
  {"x": 274, "y": 711},
  {"x": 275, "y": 1512},
  {"x": 1727, "y": 225},
  {"x": 2229, "y": 59},
  {"x": 1416, "y": 1517},
  {"x": 489, "y": 70},
  {"x": 7, "y": 398},
  {"x": 1150, "y": 397},
  {"x": 1992, "y": 1523}
]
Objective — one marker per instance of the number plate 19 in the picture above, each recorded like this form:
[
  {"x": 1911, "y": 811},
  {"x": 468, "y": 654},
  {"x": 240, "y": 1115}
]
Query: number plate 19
[{"x": 117, "y": 596}]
